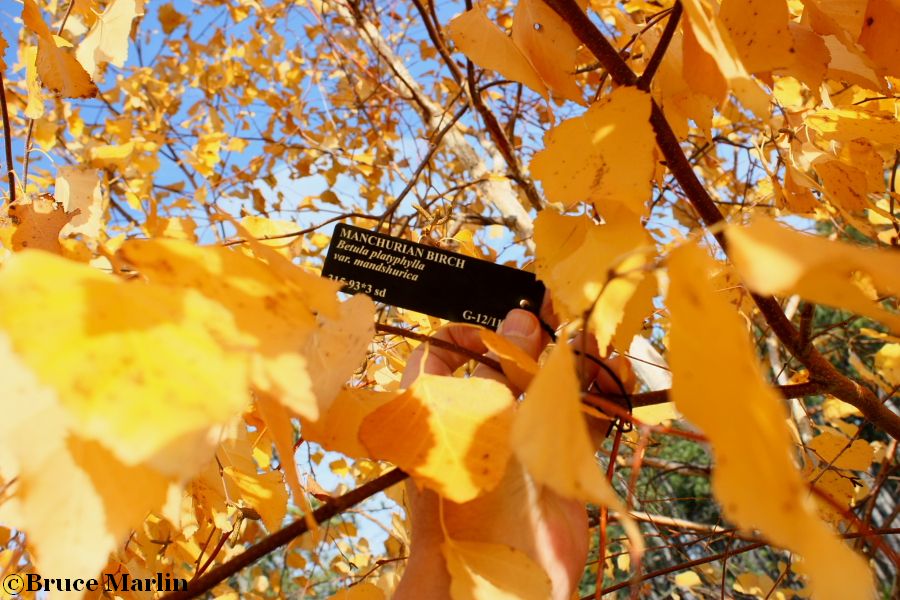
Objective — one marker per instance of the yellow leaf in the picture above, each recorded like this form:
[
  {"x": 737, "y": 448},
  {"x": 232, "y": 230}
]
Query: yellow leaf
[
  {"x": 281, "y": 430},
  {"x": 169, "y": 18},
  {"x": 261, "y": 228},
  {"x": 848, "y": 63},
  {"x": 566, "y": 244},
  {"x": 107, "y": 41},
  {"x": 109, "y": 155},
  {"x": 450, "y": 434},
  {"x": 700, "y": 70},
  {"x": 300, "y": 357},
  {"x": 861, "y": 153},
  {"x": 362, "y": 591},
  {"x": 688, "y": 579},
  {"x": 711, "y": 355},
  {"x": 206, "y": 153},
  {"x": 38, "y": 224},
  {"x": 488, "y": 47},
  {"x": 754, "y": 584},
  {"x": 760, "y": 33},
  {"x": 844, "y": 184},
  {"x": 3, "y": 47},
  {"x": 57, "y": 66},
  {"x": 844, "y": 16},
  {"x": 680, "y": 98},
  {"x": 112, "y": 346},
  {"x": 835, "y": 449},
  {"x": 887, "y": 361},
  {"x": 103, "y": 499},
  {"x": 44, "y": 133},
  {"x": 637, "y": 309},
  {"x": 711, "y": 35},
  {"x": 550, "y": 46},
  {"x": 775, "y": 260},
  {"x": 78, "y": 189},
  {"x": 177, "y": 228},
  {"x": 264, "y": 492},
  {"x": 810, "y": 57},
  {"x": 35, "y": 107},
  {"x": 605, "y": 156},
  {"x": 542, "y": 53},
  {"x": 835, "y": 410},
  {"x": 337, "y": 347},
  {"x": 517, "y": 365},
  {"x": 879, "y": 35},
  {"x": 845, "y": 124},
  {"x": 485, "y": 571},
  {"x": 550, "y": 418},
  {"x": 338, "y": 427}
]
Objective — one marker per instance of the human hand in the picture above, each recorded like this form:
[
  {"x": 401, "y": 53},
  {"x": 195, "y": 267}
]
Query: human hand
[{"x": 549, "y": 529}]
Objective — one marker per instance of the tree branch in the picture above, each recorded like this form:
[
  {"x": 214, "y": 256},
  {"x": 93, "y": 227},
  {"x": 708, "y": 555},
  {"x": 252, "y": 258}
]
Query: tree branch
[
  {"x": 723, "y": 555},
  {"x": 206, "y": 582},
  {"x": 659, "y": 52},
  {"x": 7, "y": 142},
  {"x": 821, "y": 371},
  {"x": 794, "y": 390}
]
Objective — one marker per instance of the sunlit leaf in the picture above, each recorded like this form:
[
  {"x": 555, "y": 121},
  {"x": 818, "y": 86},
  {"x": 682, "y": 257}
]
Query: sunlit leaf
[
  {"x": 450, "y": 434},
  {"x": 711, "y": 355}
]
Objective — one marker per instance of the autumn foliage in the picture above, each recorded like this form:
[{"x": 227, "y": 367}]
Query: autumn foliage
[{"x": 708, "y": 190}]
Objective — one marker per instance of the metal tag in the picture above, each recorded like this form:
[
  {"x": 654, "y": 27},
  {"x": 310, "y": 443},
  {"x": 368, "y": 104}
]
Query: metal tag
[{"x": 426, "y": 279}]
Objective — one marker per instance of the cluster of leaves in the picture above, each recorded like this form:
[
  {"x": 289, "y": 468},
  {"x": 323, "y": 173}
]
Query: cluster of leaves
[{"x": 169, "y": 354}]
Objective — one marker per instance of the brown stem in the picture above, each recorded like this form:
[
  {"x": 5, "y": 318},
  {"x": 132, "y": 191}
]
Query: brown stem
[
  {"x": 435, "y": 144},
  {"x": 426, "y": 339},
  {"x": 659, "y": 52},
  {"x": 301, "y": 232},
  {"x": 206, "y": 582},
  {"x": 821, "y": 371},
  {"x": 504, "y": 145},
  {"x": 794, "y": 390},
  {"x": 806, "y": 319},
  {"x": 723, "y": 555},
  {"x": 7, "y": 142}
]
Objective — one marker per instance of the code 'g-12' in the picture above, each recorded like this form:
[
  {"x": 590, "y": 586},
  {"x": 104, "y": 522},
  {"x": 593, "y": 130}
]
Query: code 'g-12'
[{"x": 426, "y": 279}]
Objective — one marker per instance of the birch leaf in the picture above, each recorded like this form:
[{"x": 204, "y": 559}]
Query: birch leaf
[
  {"x": 773, "y": 259},
  {"x": 711, "y": 355},
  {"x": 489, "y": 48},
  {"x": 56, "y": 64},
  {"x": 481, "y": 570},
  {"x": 449, "y": 434},
  {"x": 605, "y": 156}
]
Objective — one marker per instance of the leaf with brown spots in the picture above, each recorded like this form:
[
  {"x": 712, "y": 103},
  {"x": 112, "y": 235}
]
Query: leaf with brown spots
[{"x": 38, "y": 224}]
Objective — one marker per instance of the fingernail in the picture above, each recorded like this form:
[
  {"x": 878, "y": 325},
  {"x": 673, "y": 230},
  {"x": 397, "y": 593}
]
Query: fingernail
[{"x": 519, "y": 323}]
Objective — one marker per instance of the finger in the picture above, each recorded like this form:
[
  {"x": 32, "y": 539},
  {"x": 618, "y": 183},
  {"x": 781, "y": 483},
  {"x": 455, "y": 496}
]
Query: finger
[
  {"x": 442, "y": 361},
  {"x": 521, "y": 328}
]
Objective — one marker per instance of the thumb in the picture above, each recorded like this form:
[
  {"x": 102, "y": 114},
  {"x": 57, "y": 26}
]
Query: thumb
[{"x": 521, "y": 328}]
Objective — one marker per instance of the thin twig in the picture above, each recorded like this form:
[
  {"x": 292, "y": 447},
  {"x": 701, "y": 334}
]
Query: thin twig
[
  {"x": 7, "y": 142},
  {"x": 426, "y": 339},
  {"x": 435, "y": 144},
  {"x": 223, "y": 537},
  {"x": 806, "y": 319},
  {"x": 659, "y": 52},
  {"x": 208, "y": 581},
  {"x": 300, "y": 232},
  {"x": 722, "y": 555}
]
